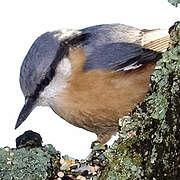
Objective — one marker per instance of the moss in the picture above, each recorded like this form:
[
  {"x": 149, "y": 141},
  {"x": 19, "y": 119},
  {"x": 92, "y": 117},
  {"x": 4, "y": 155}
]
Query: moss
[{"x": 148, "y": 147}]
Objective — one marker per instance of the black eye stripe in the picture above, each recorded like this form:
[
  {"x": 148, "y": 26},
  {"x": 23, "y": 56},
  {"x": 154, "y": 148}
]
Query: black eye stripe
[
  {"x": 62, "y": 52},
  {"x": 77, "y": 39}
]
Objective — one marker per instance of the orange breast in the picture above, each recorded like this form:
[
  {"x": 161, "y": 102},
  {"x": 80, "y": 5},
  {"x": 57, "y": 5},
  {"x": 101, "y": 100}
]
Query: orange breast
[{"x": 96, "y": 99}]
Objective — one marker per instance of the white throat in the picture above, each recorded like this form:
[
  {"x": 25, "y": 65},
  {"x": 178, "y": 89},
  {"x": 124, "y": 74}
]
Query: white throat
[{"x": 57, "y": 84}]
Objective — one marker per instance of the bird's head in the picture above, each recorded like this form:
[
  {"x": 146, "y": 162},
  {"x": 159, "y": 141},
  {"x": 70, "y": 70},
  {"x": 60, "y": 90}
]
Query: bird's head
[{"x": 45, "y": 66}]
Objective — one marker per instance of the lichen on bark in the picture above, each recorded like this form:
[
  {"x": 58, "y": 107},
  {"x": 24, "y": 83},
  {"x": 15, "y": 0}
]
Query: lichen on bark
[
  {"x": 28, "y": 163},
  {"x": 148, "y": 145},
  {"x": 174, "y": 2}
]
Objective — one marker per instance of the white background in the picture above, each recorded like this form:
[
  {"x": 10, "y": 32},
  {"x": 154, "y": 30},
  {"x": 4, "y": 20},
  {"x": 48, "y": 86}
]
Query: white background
[{"x": 21, "y": 22}]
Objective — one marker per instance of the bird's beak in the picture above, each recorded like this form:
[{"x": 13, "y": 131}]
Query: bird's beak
[{"x": 28, "y": 107}]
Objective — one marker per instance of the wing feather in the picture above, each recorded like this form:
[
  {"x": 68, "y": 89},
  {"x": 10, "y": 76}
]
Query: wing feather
[{"x": 119, "y": 47}]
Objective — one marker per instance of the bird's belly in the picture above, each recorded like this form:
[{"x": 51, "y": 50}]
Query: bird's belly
[{"x": 95, "y": 100}]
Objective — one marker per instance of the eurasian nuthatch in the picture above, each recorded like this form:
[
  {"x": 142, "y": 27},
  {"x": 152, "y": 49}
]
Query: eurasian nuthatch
[{"x": 93, "y": 76}]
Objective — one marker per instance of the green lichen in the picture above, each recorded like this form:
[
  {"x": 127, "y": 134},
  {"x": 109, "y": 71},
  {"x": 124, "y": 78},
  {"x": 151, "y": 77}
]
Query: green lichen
[
  {"x": 148, "y": 147},
  {"x": 45, "y": 163},
  {"x": 174, "y": 2},
  {"x": 27, "y": 163}
]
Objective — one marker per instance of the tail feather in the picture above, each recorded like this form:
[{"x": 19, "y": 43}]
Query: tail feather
[{"x": 156, "y": 40}]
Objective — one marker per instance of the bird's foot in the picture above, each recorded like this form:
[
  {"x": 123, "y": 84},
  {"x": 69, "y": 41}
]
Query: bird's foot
[
  {"x": 97, "y": 146},
  {"x": 97, "y": 157}
]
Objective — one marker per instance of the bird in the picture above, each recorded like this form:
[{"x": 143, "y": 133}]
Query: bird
[{"x": 91, "y": 77}]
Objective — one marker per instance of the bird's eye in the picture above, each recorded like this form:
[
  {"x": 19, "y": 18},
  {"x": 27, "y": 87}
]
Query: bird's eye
[{"x": 45, "y": 82}]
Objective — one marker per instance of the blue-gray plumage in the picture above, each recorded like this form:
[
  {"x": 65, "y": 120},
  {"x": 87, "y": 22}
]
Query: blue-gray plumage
[
  {"x": 88, "y": 76},
  {"x": 37, "y": 62},
  {"x": 114, "y": 46}
]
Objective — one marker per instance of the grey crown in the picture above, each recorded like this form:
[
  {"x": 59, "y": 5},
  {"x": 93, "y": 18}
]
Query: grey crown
[{"x": 37, "y": 62}]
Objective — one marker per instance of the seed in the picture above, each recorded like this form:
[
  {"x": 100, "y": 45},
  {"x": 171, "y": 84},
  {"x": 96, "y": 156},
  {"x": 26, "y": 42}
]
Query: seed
[{"x": 60, "y": 174}]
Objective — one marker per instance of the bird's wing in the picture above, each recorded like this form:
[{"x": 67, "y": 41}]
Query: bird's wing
[
  {"x": 119, "y": 57},
  {"x": 117, "y": 47}
]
